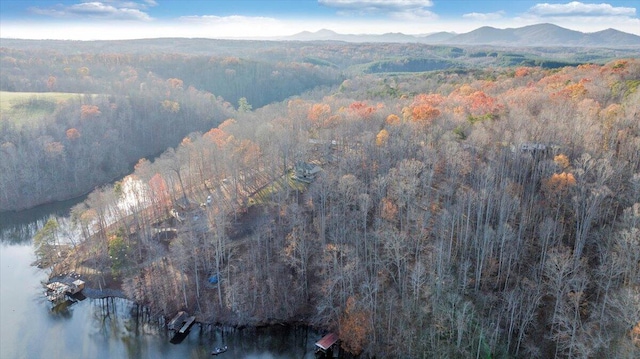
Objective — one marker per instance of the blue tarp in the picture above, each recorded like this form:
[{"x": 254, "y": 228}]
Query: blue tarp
[{"x": 213, "y": 279}]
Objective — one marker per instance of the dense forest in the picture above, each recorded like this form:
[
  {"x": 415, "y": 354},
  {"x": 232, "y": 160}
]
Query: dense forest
[
  {"x": 489, "y": 207},
  {"x": 141, "y": 96}
]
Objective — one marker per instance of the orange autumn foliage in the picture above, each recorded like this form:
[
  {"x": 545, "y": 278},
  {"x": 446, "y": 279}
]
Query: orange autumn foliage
[
  {"x": 389, "y": 210},
  {"x": 635, "y": 335},
  {"x": 159, "y": 188},
  {"x": 481, "y": 104},
  {"x": 432, "y": 99},
  {"x": 423, "y": 108},
  {"x": 393, "y": 120},
  {"x": 559, "y": 183},
  {"x": 89, "y": 111},
  {"x": 424, "y": 113},
  {"x": 217, "y": 136},
  {"x": 382, "y": 138},
  {"x": 362, "y": 109},
  {"x": 318, "y": 111},
  {"x": 354, "y": 327},
  {"x": 574, "y": 91},
  {"x": 521, "y": 72},
  {"x": 73, "y": 134},
  {"x": 562, "y": 160}
]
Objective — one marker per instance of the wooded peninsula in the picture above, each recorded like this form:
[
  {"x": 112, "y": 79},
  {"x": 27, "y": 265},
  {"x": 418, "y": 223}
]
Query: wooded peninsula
[{"x": 459, "y": 201}]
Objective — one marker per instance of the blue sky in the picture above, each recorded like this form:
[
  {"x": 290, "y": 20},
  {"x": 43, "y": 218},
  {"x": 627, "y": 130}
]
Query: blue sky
[{"x": 125, "y": 19}]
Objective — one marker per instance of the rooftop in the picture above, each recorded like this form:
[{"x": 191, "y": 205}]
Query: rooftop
[{"x": 327, "y": 341}]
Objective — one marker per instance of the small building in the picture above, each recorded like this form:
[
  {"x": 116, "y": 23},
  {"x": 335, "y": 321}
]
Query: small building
[
  {"x": 536, "y": 149},
  {"x": 76, "y": 286},
  {"x": 328, "y": 345},
  {"x": 59, "y": 290},
  {"x": 306, "y": 172}
]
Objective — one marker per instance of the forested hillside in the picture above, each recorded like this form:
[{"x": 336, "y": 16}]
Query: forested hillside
[
  {"x": 133, "y": 106},
  {"x": 141, "y": 96},
  {"x": 485, "y": 213}
]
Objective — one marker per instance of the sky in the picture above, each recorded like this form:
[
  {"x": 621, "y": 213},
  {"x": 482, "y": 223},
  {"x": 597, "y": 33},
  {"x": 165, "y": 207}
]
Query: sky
[{"x": 231, "y": 19}]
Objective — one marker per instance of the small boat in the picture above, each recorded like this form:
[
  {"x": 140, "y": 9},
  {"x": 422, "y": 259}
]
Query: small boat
[{"x": 219, "y": 350}]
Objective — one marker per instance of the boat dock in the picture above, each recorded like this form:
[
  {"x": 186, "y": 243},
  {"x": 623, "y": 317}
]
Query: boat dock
[
  {"x": 59, "y": 290},
  {"x": 328, "y": 345},
  {"x": 181, "y": 322},
  {"x": 187, "y": 324}
]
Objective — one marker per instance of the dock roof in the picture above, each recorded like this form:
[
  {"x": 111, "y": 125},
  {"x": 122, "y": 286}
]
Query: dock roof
[{"x": 327, "y": 341}]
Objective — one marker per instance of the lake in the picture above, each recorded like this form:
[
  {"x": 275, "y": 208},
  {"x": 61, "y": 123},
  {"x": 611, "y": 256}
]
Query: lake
[{"x": 107, "y": 328}]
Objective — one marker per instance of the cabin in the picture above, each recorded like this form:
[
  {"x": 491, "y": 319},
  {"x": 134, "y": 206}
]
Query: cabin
[
  {"x": 538, "y": 149},
  {"x": 306, "y": 172},
  {"x": 328, "y": 346}
]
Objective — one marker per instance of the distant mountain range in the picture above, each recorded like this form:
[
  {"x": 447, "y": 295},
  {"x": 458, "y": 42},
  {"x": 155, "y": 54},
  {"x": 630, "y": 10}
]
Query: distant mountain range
[{"x": 533, "y": 35}]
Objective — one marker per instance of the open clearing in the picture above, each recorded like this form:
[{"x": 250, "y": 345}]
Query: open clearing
[{"x": 22, "y": 107}]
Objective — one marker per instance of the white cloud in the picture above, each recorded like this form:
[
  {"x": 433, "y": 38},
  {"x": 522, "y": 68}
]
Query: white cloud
[
  {"x": 579, "y": 16},
  {"x": 114, "y": 10},
  {"x": 477, "y": 16},
  {"x": 378, "y": 5},
  {"x": 415, "y": 15},
  {"x": 576, "y": 8},
  {"x": 213, "y": 19},
  {"x": 404, "y": 10}
]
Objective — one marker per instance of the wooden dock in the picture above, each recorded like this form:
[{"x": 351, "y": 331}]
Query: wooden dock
[
  {"x": 181, "y": 322},
  {"x": 177, "y": 320},
  {"x": 187, "y": 324}
]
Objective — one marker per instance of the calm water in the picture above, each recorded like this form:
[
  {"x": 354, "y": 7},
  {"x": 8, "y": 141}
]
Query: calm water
[{"x": 105, "y": 328}]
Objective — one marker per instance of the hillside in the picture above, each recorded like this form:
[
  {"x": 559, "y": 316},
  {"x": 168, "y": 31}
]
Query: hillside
[
  {"x": 149, "y": 94},
  {"x": 487, "y": 213},
  {"x": 545, "y": 35},
  {"x": 532, "y": 35}
]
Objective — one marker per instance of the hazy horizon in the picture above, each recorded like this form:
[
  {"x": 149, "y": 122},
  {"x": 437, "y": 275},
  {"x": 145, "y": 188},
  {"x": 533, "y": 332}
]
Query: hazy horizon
[{"x": 260, "y": 19}]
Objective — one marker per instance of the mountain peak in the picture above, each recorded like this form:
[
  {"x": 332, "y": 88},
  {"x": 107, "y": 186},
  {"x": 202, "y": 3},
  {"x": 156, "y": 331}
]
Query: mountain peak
[
  {"x": 325, "y": 32},
  {"x": 543, "y": 34}
]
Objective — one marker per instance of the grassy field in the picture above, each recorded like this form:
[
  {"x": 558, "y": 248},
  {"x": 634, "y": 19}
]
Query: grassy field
[{"x": 23, "y": 107}]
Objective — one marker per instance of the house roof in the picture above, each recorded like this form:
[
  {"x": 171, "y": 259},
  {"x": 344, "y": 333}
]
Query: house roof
[
  {"x": 327, "y": 341},
  {"x": 307, "y": 167}
]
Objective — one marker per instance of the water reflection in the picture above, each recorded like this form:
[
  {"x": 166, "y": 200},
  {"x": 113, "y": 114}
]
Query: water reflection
[
  {"x": 18, "y": 227},
  {"x": 110, "y": 327}
]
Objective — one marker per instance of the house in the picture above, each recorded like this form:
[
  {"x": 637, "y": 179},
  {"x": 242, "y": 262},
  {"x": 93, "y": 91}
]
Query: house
[
  {"x": 306, "y": 172},
  {"x": 538, "y": 148}
]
